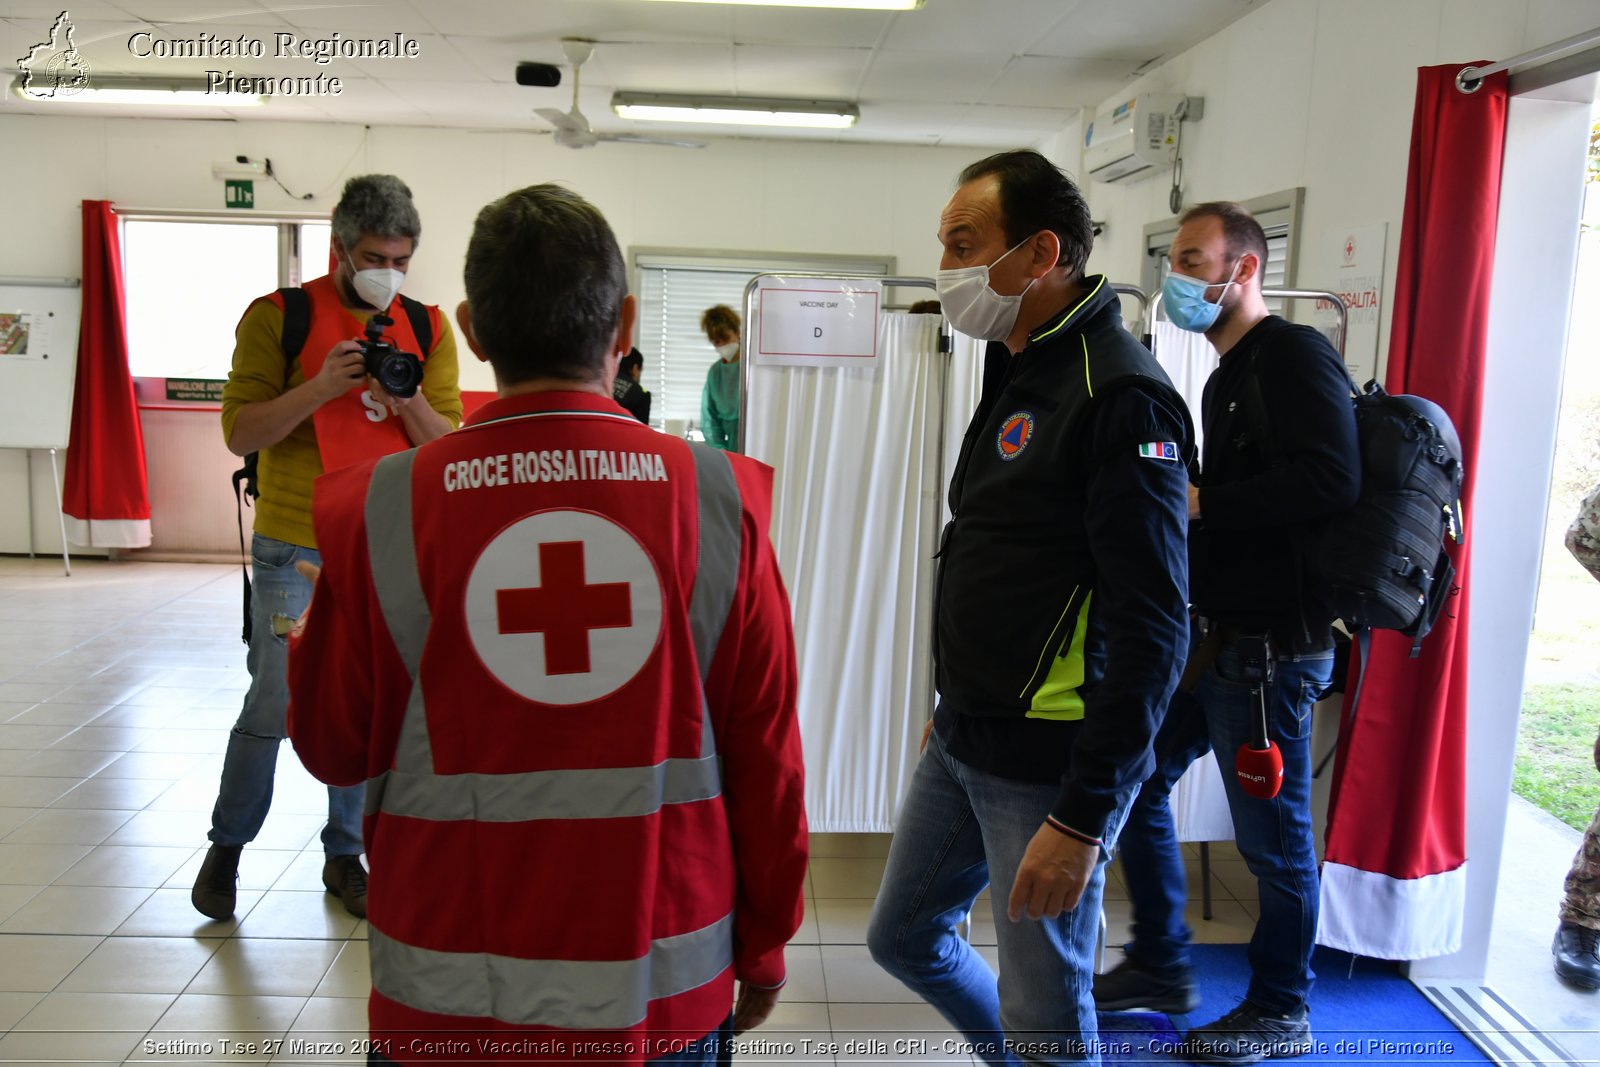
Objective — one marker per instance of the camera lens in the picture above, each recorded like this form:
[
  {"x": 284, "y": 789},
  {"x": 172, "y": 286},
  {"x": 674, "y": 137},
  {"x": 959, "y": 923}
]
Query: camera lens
[{"x": 400, "y": 373}]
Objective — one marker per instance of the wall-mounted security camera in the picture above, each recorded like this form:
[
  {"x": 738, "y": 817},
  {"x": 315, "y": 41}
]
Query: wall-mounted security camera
[
  {"x": 1098, "y": 226},
  {"x": 241, "y": 167}
]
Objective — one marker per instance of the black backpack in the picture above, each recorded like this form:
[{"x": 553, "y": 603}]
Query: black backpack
[
  {"x": 1382, "y": 562},
  {"x": 296, "y": 328}
]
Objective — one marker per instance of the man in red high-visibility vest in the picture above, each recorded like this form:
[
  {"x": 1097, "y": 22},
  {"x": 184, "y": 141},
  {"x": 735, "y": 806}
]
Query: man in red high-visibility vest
[{"x": 556, "y": 647}]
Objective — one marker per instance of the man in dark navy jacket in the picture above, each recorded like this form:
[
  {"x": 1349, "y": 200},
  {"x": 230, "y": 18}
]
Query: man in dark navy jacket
[
  {"x": 1280, "y": 457},
  {"x": 1060, "y": 624}
]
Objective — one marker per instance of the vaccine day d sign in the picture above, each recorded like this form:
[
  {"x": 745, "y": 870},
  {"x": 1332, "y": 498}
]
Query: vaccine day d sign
[{"x": 818, "y": 322}]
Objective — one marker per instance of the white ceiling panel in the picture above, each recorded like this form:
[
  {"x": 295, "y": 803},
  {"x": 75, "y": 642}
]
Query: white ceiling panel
[
  {"x": 830, "y": 73},
  {"x": 956, "y": 77},
  {"x": 676, "y": 68},
  {"x": 472, "y": 101},
  {"x": 353, "y": 19},
  {"x": 102, "y": 43},
  {"x": 45, "y": 11},
  {"x": 982, "y": 25},
  {"x": 1033, "y": 118},
  {"x": 625, "y": 20},
  {"x": 1036, "y": 81},
  {"x": 968, "y": 72},
  {"x": 1140, "y": 29},
  {"x": 810, "y": 27},
  {"x": 437, "y": 59},
  {"x": 189, "y": 12},
  {"x": 365, "y": 100}
]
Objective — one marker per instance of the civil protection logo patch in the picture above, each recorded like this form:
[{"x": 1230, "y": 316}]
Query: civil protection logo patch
[{"x": 1015, "y": 433}]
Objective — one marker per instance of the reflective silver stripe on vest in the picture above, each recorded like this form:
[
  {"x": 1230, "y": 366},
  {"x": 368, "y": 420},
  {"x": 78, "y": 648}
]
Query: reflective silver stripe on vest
[
  {"x": 611, "y": 793},
  {"x": 568, "y": 994},
  {"x": 413, "y": 790},
  {"x": 717, "y": 569},
  {"x": 717, "y": 566},
  {"x": 392, "y": 546}
]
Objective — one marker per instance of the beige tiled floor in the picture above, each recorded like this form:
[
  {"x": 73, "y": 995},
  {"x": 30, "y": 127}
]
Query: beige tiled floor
[{"x": 117, "y": 689}]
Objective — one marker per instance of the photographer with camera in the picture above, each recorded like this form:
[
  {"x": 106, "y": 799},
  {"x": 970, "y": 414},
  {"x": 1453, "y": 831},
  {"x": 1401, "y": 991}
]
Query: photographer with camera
[{"x": 325, "y": 376}]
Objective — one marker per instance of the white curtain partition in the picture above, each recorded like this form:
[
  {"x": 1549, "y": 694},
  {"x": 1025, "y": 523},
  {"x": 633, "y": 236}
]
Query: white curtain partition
[
  {"x": 1188, "y": 359},
  {"x": 1199, "y": 800},
  {"x": 855, "y": 523},
  {"x": 863, "y": 460}
]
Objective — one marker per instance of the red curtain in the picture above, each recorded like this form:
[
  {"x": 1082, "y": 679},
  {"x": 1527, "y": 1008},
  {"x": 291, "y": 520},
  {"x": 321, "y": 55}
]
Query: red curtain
[
  {"x": 106, "y": 496},
  {"x": 1394, "y": 880}
]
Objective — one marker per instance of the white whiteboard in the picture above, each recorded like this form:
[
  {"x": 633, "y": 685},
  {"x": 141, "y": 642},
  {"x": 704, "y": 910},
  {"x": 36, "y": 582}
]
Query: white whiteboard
[{"x": 38, "y": 360}]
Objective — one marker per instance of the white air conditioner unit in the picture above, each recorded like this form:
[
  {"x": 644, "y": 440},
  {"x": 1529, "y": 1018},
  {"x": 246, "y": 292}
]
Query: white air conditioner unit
[{"x": 1137, "y": 138}]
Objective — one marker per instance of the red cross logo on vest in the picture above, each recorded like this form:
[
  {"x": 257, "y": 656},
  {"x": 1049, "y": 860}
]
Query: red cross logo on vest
[{"x": 563, "y": 607}]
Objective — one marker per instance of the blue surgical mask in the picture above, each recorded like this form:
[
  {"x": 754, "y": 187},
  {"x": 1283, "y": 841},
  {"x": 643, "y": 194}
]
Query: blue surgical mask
[{"x": 1184, "y": 300}]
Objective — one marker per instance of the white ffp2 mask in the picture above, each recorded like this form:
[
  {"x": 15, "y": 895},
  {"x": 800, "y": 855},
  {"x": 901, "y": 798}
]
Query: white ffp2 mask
[
  {"x": 377, "y": 285},
  {"x": 975, "y": 309}
]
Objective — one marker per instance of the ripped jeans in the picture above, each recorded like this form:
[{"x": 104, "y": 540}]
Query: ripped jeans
[{"x": 280, "y": 594}]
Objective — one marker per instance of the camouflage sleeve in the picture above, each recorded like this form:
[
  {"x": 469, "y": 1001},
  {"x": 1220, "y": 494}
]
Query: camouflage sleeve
[{"x": 1583, "y": 536}]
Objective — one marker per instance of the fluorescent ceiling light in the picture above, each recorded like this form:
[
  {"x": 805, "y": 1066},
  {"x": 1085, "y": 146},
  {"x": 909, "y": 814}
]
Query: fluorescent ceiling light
[
  {"x": 735, "y": 110},
  {"x": 860, "y": 5},
  {"x": 142, "y": 92}
]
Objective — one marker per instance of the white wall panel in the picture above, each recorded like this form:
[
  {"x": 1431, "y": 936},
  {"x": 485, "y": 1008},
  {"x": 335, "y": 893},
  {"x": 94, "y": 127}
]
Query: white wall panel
[{"x": 798, "y": 197}]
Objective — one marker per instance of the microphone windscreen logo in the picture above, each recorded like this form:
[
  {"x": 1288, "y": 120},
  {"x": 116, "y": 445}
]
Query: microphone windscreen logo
[
  {"x": 540, "y": 74},
  {"x": 1260, "y": 771}
]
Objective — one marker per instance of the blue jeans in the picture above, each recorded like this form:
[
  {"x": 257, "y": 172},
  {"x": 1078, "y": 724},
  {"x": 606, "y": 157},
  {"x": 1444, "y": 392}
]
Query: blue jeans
[
  {"x": 960, "y": 830},
  {"x": 1274, "y": 836},
  {"x": 279, "y": 595}
]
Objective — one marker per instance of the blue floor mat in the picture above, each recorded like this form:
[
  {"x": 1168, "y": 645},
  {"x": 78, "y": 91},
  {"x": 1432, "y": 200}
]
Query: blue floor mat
[{"x": 1362, "y": 1011}]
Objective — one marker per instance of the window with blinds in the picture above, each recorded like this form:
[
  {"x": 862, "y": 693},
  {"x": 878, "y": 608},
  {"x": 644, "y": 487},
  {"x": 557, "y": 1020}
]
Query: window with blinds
[{"x": 673, "y": 292}]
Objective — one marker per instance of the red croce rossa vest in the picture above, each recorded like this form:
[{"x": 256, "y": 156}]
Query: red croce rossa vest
[{"x": 556, "y": 633}]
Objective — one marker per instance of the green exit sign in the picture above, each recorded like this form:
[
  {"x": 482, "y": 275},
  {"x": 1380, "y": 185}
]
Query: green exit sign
[{"x": 241, "y": 193}]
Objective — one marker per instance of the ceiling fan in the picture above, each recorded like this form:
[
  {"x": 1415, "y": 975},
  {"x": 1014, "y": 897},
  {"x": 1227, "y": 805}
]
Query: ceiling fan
[{"x": 572, "y": 129}]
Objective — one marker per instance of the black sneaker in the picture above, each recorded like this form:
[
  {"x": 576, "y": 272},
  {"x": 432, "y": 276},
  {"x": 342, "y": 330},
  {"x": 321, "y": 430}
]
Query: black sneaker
[
  {"x": 346, "y": 879},
  {"x": 1250, "y": 1034},
  {"x": 1577, "y": 953},
  {"x": 1130, "y": 986},
  {"x": 216, "y": 889}
]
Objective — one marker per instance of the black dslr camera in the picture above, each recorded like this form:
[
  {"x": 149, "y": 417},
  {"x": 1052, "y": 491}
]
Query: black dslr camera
[{"x": 398, "y": 372}]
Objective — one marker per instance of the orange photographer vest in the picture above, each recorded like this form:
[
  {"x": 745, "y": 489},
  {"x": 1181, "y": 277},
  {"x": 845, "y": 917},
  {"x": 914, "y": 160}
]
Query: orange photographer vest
[{"x": 355, "y": 426}]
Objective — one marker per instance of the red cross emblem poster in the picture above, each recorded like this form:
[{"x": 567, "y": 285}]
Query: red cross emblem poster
[{"x": 564, "y": 607}]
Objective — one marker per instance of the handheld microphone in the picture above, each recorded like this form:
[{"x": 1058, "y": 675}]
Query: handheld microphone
[{"x": 1259, "y": 764}]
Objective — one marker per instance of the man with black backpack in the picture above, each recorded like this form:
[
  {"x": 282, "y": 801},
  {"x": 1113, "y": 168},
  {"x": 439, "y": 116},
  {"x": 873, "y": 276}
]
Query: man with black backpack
[
  {"x": 302, "y": 399},
  {"x": 1280, "y": 458}
]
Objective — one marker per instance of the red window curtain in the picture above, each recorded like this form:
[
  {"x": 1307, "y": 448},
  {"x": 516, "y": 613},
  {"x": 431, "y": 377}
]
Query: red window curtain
[
  {"x": 1394, "y": 879},
  {"x": 106, "y": 498}
]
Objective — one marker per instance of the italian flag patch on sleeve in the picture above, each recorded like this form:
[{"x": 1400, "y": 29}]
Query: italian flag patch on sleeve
[{"x": 1167, "y": 450}]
